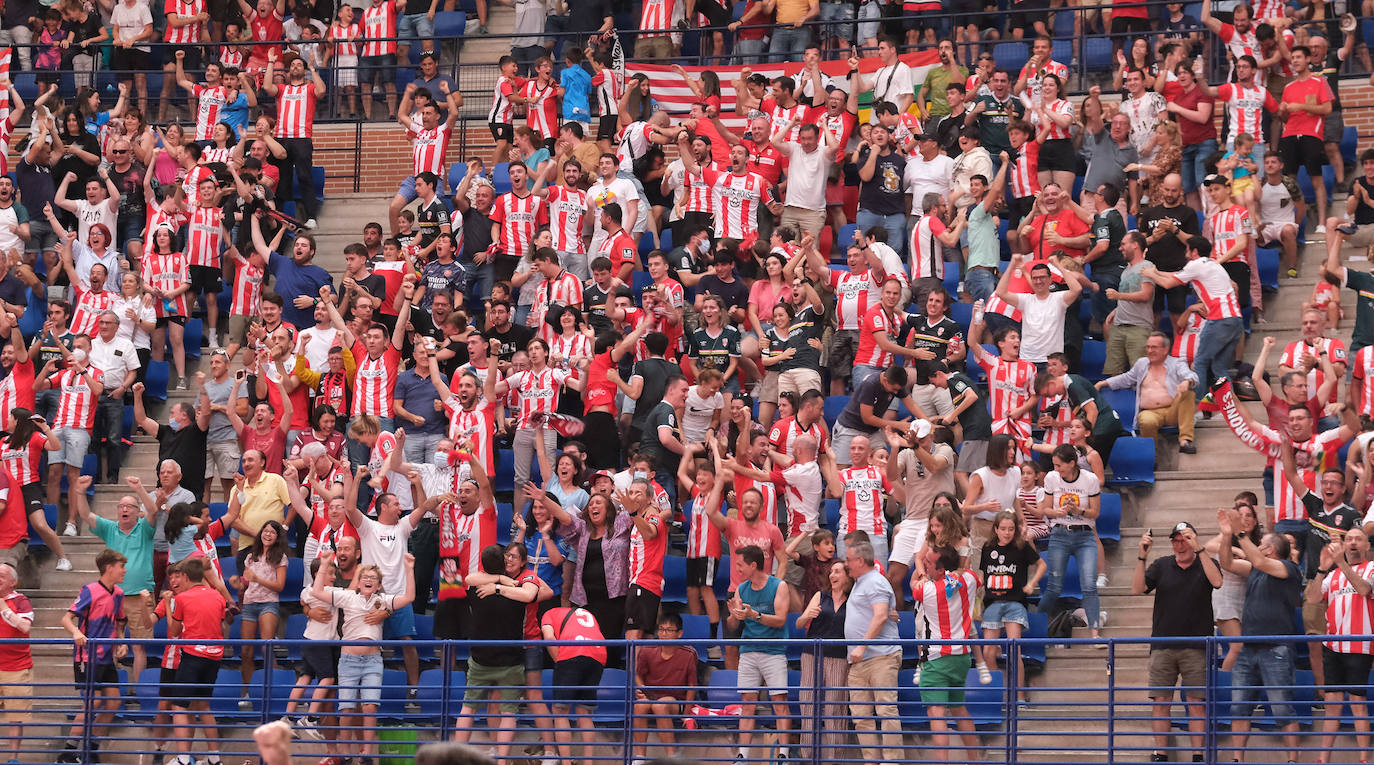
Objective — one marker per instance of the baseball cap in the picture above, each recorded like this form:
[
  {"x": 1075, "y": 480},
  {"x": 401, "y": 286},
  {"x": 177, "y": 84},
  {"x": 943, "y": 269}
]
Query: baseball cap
[
  {"x": 1215, "y": 180},
  {"x": 1181, "y": 527},
  {"x": 603, "y": 473},
  {"x": 921, "y": 428}
]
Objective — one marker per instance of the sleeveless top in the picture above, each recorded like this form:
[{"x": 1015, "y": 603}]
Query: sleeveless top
[
  {"x": 829, "y": 625},
  {"x": 761, "y": 601}
]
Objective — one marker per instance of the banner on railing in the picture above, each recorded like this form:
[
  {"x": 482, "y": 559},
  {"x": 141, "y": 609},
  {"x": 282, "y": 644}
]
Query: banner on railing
[{"x": 671, "y": 90}]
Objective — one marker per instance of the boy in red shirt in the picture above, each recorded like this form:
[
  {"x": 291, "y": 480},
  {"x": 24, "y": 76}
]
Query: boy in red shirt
[{"x": 576, "y": 672}]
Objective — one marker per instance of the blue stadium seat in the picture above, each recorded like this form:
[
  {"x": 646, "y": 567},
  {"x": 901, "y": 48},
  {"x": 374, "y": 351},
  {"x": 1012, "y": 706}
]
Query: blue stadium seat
[
  {"x": 195, "y": 330},
  {"x": 610, "y": 698},
  {"x": 32, "y": 320},
  {"x": 424, "y": 630},
  {"x": 665, "y": 240},
  {"x": 721, "y": 691},
  {"x": 500, "y": 178},
  {"x": 1094, "y": 356},
  {"x": 674, "y": 579},
  {"x": 794, "y": 650},
  {"x": 721, "y": 585},
  {"x": 275, "y": 697},
  {"x": 1063, "y": 48},
  {"x": 224, "y": 701},
  {"x": 641, "y": 279},
  {"x": 430, "y": 692},
  {"x": 962, "y": 313},
  {"x": 149, "y": 684},
  {"x": 1350, "y": 142},
  {"x": 830, "y": 509},
  {"x": 1309, "y": 194},
  {"x": 1096, "y": 54},
  {"x": 1109, "y": 521},
  {"x": 229, "y": 567},
  {"x": 984, "y": 702},
  {"x": 218, "y": 510},
  {"x": 156, "y": 380},
  {"x": 448, "y": 24},
  {"x": 910, "y": 708},
  {"x": 505, "y": 471},
  {"x": 845, "y": 239},
  {"x": 456, "y": 173},
  {"x": 26, "y": 85},
  {"x": 1123, "y": 402},
  {"x": 906, "y": 630},
  {"x": 833, "y": 406},
  {"x": 1133, "y": 462},
  {"x": 646, "y": 245},
  {"x": 1011, "y": 55},
  {"x": 295, "y": 579},
  {"x": 1267, "y": 258},
  {"x": 295, "y": 630},
  {"x": 951, "y": 280},
  {"x": 1063, "y": 28},
  {"x": 1039, "y": 628},
  {"x": 697, "y": 627},
  {"x": 505, "y": 518},
  {"x": 50, "y": 515},
  {"x": 394, "y": 687}
]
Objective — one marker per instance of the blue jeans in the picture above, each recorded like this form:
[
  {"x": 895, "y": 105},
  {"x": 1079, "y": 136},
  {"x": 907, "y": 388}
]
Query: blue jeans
[
  {"x": 1215, "y": 350},
  {"x": 480, "y": 279},
  {"x": 750, "y": 52},
  {"x": 1193, "y": 167},
  {"x": 416, "y": 26},
  {"x": 838, "y": 12},
  {"x": 788, "y": 43},
  {"x": 980, "y": 283},
  {"x": 895, "y": 225},
  {"x": 1267, "y": 667},
  {"x": 1081, "y": 544},
  {"x": 863, "y": 372}
]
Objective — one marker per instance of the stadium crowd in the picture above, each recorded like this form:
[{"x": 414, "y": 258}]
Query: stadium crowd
[{"x": 665, "y": 319}]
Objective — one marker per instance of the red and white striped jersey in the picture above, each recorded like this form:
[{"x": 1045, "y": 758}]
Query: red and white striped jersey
[
  {"x": 738, "y": 198},
  {"x": 205, "y": 235},
  {"x": 568, "y": 347},
  {"x": 209, "y": 104},
  {"x": 779, "y": 116},
  {"x": 769, "y": 512},
  {"x": 22, "y": 464},
  {"x": 379, "y": 20},
  {"x": 1228, "y": 226},
  {"x": 1242, "y": 45},
  {"x": 672, "y": 292},
  {"x": 296, "y": 110},
  {"x": 541, "y": 108},
  {"x": 476, "y": 428},
  {"x": 76, "y": 398},
  {"x": 786, "y": 430},
  {"x": 1245, "y": 107},
  {"x": 263, "y": 29},
  {"x": 465, "y": 536},
  {"x": 166, "y": 273},
  {"x": 947, "y": 606},
  {"x": 231, "y": 56},
  {"x": 926, "y": 252},
  {"x": 375, "y": 381},
  {"x": 861, "y": 508},
  {"x": 183, "y": 35},
  {"x": 854, "y": 293},
  {"x": 1035, "y": 76},
  {"x": 609, "y": 88},
  {"x": 839, "y": 125},
  {"x": 703, "y": 539},
  {"x": 17, "y": 389},
  {"x": 431, "y": 146},
  {"x": 564, "y": 289},
  {"x": 1185, "y": 343},
  {"x": 877, "y": 319},
  {"x": 502, "y": 108},
  {"x": 1347, "y": 611},
  {"x": 86, "y": 314},
  {"x": 1292, "y": 357},
  {"x": 519, "y": 217},
  {"x": 1362, "y": 369},
  {"x": 701, "y": 197},
  {"x": 1010, "y": 385},
  {"x": 1063, "y": 415},
  {"x": 1269, "y": 9},
  {"x": 538, "y": 393},
  {"x": 1025, "y": 171},
  {"x": 1311, "y": 455},
  {"x": 340, "y": 34},
  {"x": 213, "y": 154},
  {"x": 247, "y": 294},
  {"x": 1213, "y": 287},
  {"x": 160, "y": 218},
  {"x": 567, "y": 211},
  {"x": 6, "y": 128},
  {"x": 190, "y": 183},
  {"x": 1060, "y": 106},
  {"x": 655, "y": 18},
  {"x": 646, "y": 555}
]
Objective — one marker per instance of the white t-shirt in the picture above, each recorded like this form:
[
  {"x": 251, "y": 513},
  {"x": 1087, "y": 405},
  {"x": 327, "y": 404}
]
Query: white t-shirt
[
  {"x": 619, "y": 191},
  {"x": 1276, "y": 204},
  {"x": 88, "y": 215},
  {"x": 9, "y": 216},
  {"x": 1073, "y": 496},
  {"x": 131, "y": 21},
  {"x": 1042, "y": 326},
  {"x": 696, "y": 415},
  {"x": 356, "y": 608},
  {"x": 317, "y": 344},
  {"x": 385, "y": 547},
  {"x": 804, "y": 486},
  {"x": 314, "y": 630},
  {"x": 888, "y": 84},
  {"x": 806, "y": 175},
  {"x": 129, "y": 328},
  {"x": 1002, "y": 488},
  {"x": 923, "y": 177}
]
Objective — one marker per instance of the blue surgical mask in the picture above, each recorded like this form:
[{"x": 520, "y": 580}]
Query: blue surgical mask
[{"x": 174, "y": 425}]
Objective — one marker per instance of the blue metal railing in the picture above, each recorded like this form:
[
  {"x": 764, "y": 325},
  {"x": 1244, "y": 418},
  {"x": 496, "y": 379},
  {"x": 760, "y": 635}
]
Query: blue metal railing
[{"x": 1092, "y": 718}]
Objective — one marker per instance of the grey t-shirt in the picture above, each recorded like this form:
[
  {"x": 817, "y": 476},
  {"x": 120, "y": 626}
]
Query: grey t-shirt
[
  {"x": 182, "y": 494},
  {"x": 1106, "y": 160},
  {"x": 1130, "y": 313},
  {"x": 220, "y": 429},
  {"x": 869, "y": 590}
]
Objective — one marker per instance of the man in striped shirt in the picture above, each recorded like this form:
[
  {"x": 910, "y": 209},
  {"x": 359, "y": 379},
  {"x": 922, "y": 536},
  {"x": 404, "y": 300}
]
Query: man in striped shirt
[
  {"x": 1345, "y": 589},
  {"x": 78, "y": 386},
  {"x": 295, "y": 125}
]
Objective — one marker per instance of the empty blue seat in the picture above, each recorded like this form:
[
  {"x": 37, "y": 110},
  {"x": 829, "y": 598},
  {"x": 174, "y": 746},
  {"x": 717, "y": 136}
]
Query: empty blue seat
[
  {"x": 394, "y": 687},
  {"x": 906, "y": 630},
  {"x": 190, "y": 340},
  {"x": 429, "y": 692},
  {"x": 722, "y": 690},
  {"x": 224, "y": 700},
  {"x": 505, "y": 519},
  {"x": 611, "y": 698},
  {"x": 505, "y": 471},
  {"x": 1063, "y": 28},
  {"x": 218, "y": 510},
  {"x": 674, "y": 579},
  {"x": 962, "y": 314},
  {"x": 1350, "y": 141},
  {"x": 794, "y": 650},
  {"x": 646, "y": 245},
  {"x": 456, "y": 173},
  {"x": 1109, "y": 521},
  {"x": 1094, "y": 356},
  {"x": 294, "y": 631},
  {"x": 1011, "y": 55},
  {"x": 833, "y": 406},
  {"x": 1133, "y": 462},
  {"x": 697, "y": 627},
  {"x": 156, "y": 380},
  {"x": 910, "y": 708},
  {"x": 449, "y": 24},
  {"x": 229, "y": 567},
  {"x": 1096, "y": 54},
  {"x": 295, "y": 579},
  {"x": 1039, "y": 628},
  {"x": 500, "y": 178},
  {"x": 273, "y": 695},
  {"x": 831, "y": 511},
  {"x": 1123, "y": 402},
  {"x": 845, "y": 239},
  {"x": 1267, "y": 259},
  {"x": 984, "y": 702}
]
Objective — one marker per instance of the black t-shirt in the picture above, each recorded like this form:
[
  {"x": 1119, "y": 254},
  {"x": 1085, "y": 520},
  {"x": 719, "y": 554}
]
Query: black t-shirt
[
  {"x": 871, "y": 392},
  {"x": 496, "y": 617},
  {"x": 1319, "y": 525},
  {"x": 429, "y": 219},
  {"x": 975, "y": 420},
  {"x": 74, "y": 164},
  {"x": 12, "y": 290},
  {"x": 187, "y": 448},
  {"x": 1080, "y": 392},
  {"x": 594, "y": 299},
  {"x": 476, "y": 233},
  {"x": 715, "y": 352},
  {"x": 49, "y": 351},
  {"x": 916, "y": 332},
  {"x": 806, "y": 326},
  {"x": 649, "y": 443},
  {"x": 1006, "y": 569},
  {"x": 1109, "y": 226},
  {"x": 735, "y": 294},
  {"x": 1270, "y": 601},
  {"x": 655, "y": 373},
  {"x": 1167, "y": 252},
  {"x": 130, "y": 185},
  {"x": 374, "y": 285},
  {"x": 513, "y": 339},
  {"x": 1183, "y": 599},
  {"x": 679, "y": 259},
  {"x": 1364, "y": 212},
  {"x": 883, "y": 195}
]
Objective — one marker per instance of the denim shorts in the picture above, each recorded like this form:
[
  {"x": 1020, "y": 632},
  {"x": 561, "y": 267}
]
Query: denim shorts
[
  {"x": 413, "y": 26},
  {"x": 1004, "y": 611},
  {"x": 251, "y": 611},
  {"x": 360, "y": 679},
  {"x": 401, "y": 624},
  {"x": 75, "y": 443}
]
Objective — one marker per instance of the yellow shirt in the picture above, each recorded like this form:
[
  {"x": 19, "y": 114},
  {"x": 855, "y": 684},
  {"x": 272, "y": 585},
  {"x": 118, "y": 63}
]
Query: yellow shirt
[
  {"x": 792, "y": 11},
  {"x": 263, "y": 501}
]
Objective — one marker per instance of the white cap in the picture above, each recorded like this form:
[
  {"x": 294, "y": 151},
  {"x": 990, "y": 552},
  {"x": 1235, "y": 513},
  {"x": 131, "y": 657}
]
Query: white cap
[{"x": 921, "y": 428}]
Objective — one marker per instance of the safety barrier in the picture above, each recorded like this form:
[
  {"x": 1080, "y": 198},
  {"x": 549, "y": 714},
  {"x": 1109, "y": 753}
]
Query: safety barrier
[{"x": 1095, "y": 718}]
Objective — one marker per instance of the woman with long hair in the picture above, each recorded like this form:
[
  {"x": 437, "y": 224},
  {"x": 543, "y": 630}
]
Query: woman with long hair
[
  {"x": 992, "y": 488},
  {"x": 1011, "y": 568},
  {"x": 824, "y": 617},
  {"x": 1088, "y": 459},
  {"x": 166, "y": 164},
  {"x": 569, "y": 346},
  {"x": 80, "y": 155},
  {"x": 261, "y": 582},
  {"x": 140, "y": 134},
  {"x": 1228, "y": 600},
  {"x": 601, "y": 536},
  {"x": 137, "y": 318},
  {"x": 322, "y": 430},
  {"x": 167, "y": 277},
  {"x": 1057, "y": 157},
  {"x": 1165, "y": 149},
  {"x": 222, "y": 140},
  {"x": 638, "y": 101},
  {"x": 1140, "y": 59},
  {"x": 773, "y": 351},
  {"x": 945, "y": 529},
  {"x": 28, "y": 438}
]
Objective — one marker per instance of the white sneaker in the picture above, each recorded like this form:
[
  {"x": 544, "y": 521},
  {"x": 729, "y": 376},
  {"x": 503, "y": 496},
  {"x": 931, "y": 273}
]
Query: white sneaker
[
  {"x": 70, "y": 530},
  {"x": 64, "y": 564},
  {"x": 714, "y": 653},
  {"x": 1101, "y": 619},
  {"x": 311, "y": 224},
  {"x": 1101, "y": 581},
  {"x": 984, "y": 674},
  {"x": 1321, "y": 229},
  {"x": 214, "y": 343},
  {"x": 916, "y": 678},
  {"x": 556, "y": 761},
  {"x": 307, "y": 728}
]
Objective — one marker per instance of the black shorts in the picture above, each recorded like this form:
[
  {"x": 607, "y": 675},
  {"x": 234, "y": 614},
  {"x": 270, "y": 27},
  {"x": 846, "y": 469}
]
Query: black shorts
[
  {"x": 1239, "y": 271},
  {"x": 1029, "y": 12},
  {"x": 695, "y": 218},
  {"x": 1018, "y": 209},
  {"x": 319, "y": 661},
  {"x": 608, "y": 126},
  {"x": 197, "y": 676},
  {"x": 1057, "y": 156},
  {"x": 1175, "y": 297},
  {"x": 701, "y": 572},
  {"x": 192, "y": 60},
  {"x": 33, "y": 498},
  {"x": 716, "y": 14},
  {"x": 502, "y": 131},
  {"x": 163, "y": 321},
  {"x": 131, "y": 60},
  {"x": 105, "y": 675},
  {"x": 1347, "y": 669},
  {"x": 451, "y": 618},
  {"x": 641, "y": 610},
  {"x": 205, "y": 279},
  {"x": 167, "y": 684},
  {"x": 575, "y": 680},
  {"x": 1303, "y": 151},
  {"x": 1128, "y": 25}
]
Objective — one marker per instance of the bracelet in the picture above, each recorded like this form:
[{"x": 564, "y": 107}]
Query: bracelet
[
  {"x": 1324, "y": 571},
  {"x": 1142, "y": 560}
]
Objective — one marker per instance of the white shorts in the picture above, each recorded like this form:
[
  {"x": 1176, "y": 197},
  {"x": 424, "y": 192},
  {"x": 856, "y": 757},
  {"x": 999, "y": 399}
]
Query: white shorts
[
  {"x": 762, "y": 672},
  {"x": 907, "y": 541},
  {"x": 1271, "y": 232},
  {"x": 346, "y": 72}
]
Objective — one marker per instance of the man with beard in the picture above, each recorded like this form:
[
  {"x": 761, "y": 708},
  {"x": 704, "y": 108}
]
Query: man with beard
[
  {"x": 1167, "y": 227},
  {"x": 1343, "y": 590},
  {"x": 472, "y": 418}
]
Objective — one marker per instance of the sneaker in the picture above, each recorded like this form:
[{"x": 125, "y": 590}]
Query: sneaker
[
  {"x": 70, "y": 530},
  {"x": 311, "y": 225},
  {"x": 329, "y": 761},
  {"x": 556, "y": 761},
  {"x": 1101, "y": 581},
  {"x": 63, "y": 564},
  {"x": 1159, "y": 757},
  {"x": 70, "y": 755},
  {"x": 740, "y": 759},
  {"x": 916, "y": 678},
  {"x": 1349, "y": 229},
  {"x": 482, "y": 29},
  {"x": 245, "y": 705},
  {"x": 1321, "y": 229},
  {"x": 714, "y": 653},
  {"x": 984, "y": 674},
  {"x": 307, "y": 728},
  {"x": 1187, "y": 447},
  {"x": 184, "y": 759},
  {"x": 213, "y": 760},
  {"x": 1292, "y": 273},
  {"x": 1101, "y": 619},
  {"x": 1198, "y": 758},
  {"x": 181, "y": 384},
  {"x": 214, "y": 343}
]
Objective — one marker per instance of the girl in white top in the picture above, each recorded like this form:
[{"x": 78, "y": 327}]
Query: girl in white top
[
  {"x": 992, "y": 488},
  {"x": 136, "y": 317},
  {"x": 704, "y": 405},
  {"x": 360, "y": 666}
]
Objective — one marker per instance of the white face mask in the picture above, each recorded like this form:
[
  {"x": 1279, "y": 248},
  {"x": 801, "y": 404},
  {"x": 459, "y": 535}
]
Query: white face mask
[{"x": 704, "y": 247}]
